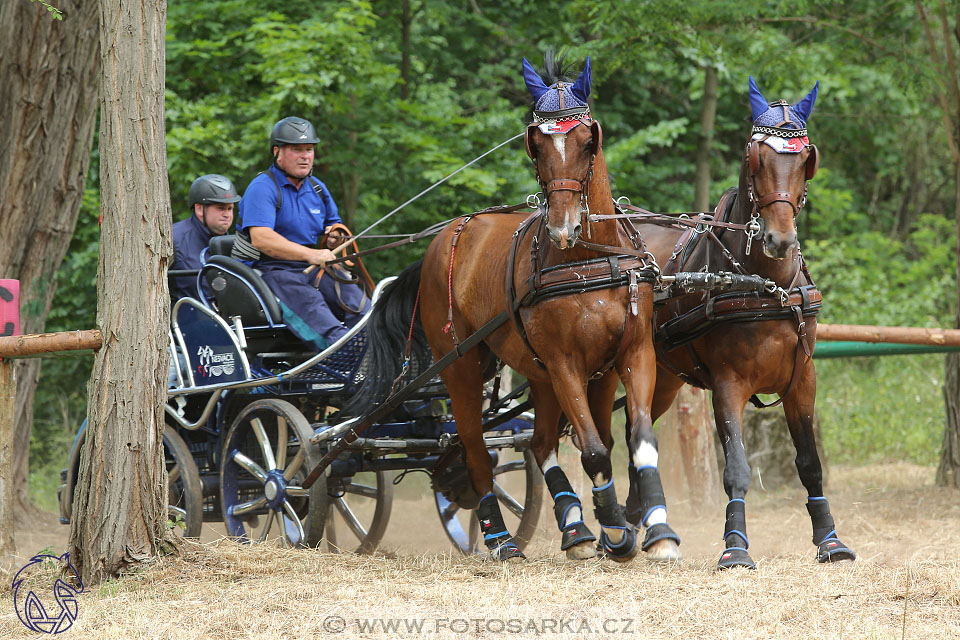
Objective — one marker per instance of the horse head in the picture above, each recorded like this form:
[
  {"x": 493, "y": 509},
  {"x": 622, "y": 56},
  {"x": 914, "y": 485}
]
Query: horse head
[
  {"x": 563, "y": 151},
  {"x": 778, "y": 161}
]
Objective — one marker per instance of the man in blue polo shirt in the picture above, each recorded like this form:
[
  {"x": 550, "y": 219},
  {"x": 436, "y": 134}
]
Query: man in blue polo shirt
[
  {"x": 284, "y": 211},
  {"x": 211, "y": 200}
]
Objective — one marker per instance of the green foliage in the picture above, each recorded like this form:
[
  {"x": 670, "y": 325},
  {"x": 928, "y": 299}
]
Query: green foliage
[{"x": 57, "y": 13}]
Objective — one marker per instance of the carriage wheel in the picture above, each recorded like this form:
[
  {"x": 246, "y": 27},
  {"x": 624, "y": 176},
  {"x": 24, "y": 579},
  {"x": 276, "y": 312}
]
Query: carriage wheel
[
  {"x": 511, "y": 479},
  {"x": 183, "y": 482},
  {"x": 266, "y": 456},
  {"x": 185, "y": 501},
  {"x": 359, "y": 511}
]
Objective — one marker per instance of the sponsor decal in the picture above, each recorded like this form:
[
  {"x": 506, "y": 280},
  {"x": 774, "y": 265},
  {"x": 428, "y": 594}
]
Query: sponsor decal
[
  {"x": 213, "y": 364},
  {"x": 783, "y": 145}
]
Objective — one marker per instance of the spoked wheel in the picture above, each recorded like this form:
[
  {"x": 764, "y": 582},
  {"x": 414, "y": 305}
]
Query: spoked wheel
[
  {"x": 266, "y": 457},
  {"x": 518, "y": 484},
  {"x": 183, "y": 483},
  {"x": 359, "y": 511}
]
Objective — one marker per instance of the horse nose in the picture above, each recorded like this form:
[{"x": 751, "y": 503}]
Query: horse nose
[
  {"x": 778, "y": 244},
  {"x": 564, "y": 236}
]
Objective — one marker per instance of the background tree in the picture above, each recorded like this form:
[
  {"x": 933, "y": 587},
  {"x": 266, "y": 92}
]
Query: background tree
[
  {"x": 120, "y": 502},
  {"x": 941, "y": 39},
  {"x": 49, "y": 74}
]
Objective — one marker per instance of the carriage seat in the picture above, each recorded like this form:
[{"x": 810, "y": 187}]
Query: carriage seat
[
  {"x": 240, "y": 291},
  {"x": 221, "y": 245}
]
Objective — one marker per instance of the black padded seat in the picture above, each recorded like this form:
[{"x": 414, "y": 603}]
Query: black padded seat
[
  {"x": 240, "y": 291},
  {"x": 221, "y": 245}
]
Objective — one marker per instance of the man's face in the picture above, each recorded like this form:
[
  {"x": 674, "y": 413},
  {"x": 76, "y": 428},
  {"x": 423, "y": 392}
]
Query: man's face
[
  {"x": 296, "y": 159},
  {"x": 216, "y": 216}
]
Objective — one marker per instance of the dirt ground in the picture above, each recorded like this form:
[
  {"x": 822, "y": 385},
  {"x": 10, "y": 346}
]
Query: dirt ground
[{"x": 905, "y": 584}]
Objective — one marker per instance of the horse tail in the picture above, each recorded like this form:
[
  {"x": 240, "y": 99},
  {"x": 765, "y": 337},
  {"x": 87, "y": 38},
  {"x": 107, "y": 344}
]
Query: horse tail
[{"x": 385, "y": 363}]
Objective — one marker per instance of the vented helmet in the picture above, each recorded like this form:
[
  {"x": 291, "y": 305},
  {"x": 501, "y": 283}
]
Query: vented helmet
[
  {"x": 293, "y": 130},
  {"x": 212, "y": 188}
]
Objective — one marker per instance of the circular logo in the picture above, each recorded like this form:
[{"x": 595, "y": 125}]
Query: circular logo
[{"x": 44, "y": 602}]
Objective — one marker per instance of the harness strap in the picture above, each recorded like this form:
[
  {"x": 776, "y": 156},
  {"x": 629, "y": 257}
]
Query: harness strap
[
  {"x": 449, "y": 327},
  {"x": 513, "y": 303}
]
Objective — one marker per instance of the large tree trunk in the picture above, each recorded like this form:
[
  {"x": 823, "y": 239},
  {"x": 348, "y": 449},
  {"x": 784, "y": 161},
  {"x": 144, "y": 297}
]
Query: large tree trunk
[
  {"x": 120, "y": 502},
  {"x": 708, "y": 116},
  {"x": 49, "y": 71}
]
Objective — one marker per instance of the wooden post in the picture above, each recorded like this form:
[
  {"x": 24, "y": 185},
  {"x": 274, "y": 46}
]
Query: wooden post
[
  {"x": 9, "y": 326},
  {"x": 688, "y": 457}
]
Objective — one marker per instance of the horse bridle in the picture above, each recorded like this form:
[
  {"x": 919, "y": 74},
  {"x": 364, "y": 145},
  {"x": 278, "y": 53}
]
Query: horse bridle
[
  {"x": 565, "y": 184},
  {"x": 751, "y": 158}
]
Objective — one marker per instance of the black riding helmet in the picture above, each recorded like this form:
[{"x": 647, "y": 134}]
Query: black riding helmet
[
  {"x": 212, "y": 188},
  {"x": 293, "y": 130}
]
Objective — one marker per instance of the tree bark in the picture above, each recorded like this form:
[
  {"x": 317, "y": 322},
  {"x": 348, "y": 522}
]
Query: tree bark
[
  {"x": 49, "y": 71},
  {"x": 120, "y": 502},
  {"x": 8, "y": 548},
  {"x": 708, "y": 116}
]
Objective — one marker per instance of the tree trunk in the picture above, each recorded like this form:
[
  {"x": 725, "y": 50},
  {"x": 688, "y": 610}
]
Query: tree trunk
[
  {"x": 948, "y": 471},
  {"x": 691, "y": 417},
  {"x": 708, "y": 115},
  {"x": 406, "y": 19},
  {"x": 49, "y": 70},
  {"x": 120, "y": 502},
  {"x": 8, "y": 548}
]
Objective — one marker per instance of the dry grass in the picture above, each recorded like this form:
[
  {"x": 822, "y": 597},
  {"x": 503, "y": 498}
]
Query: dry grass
[{"x": 906, "y": 583}]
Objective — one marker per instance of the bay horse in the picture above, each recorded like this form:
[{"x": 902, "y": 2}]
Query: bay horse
[
  {"x": 742, "y": 344},
  {"x": 580, "y": 299}
]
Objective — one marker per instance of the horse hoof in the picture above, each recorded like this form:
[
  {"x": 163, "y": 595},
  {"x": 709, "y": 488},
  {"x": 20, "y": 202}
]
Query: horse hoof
[
  {"x": 832, "y": 550},
  {"x": 582, "y": 551},
  {"x": 665, "y": 550},
  {"x": 735, "y": 557},
  {"x": 661, "y": 544},
  {"x": 625, "y": 551},
  {"x": 508, "y": 552}
]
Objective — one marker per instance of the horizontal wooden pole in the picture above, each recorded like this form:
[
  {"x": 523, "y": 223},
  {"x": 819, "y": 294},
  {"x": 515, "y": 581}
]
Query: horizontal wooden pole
[
  {"x": 896, "y": 335},
  {"x": 32, "y": 344}
]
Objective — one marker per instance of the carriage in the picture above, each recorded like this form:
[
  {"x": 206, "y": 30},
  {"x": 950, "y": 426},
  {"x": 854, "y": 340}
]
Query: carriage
[{"x": 251, "y": 409}]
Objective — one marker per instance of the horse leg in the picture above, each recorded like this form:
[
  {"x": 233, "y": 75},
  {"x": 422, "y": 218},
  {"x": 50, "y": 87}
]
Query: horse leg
[
  {"x": 728, "y": 403},
  {"x": 576, "y": 539},
  {"x": 799, "y": 410},
  {"x": 465, "y": 386},
  {"x": 646, "y": 504},
  {"x": 617, "y": 537}
]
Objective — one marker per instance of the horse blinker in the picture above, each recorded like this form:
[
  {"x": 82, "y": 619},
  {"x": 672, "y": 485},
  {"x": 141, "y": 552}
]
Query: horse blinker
[{"x": 813, "y": 162}]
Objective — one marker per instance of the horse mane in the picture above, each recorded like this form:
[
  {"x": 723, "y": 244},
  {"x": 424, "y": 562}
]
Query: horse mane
[{"x": 555, "y": 67}]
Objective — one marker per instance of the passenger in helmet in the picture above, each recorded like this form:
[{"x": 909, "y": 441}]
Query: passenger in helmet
[
  {"x": 211, "y": 199},
  {"x": 284, "y": 211}
]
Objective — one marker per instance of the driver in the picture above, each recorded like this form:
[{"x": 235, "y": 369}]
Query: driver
[{"x": 284, "y": 211}]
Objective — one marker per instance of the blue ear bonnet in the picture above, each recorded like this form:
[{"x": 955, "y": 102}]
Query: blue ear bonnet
[
  {"x": 551, "y": 99},
  {"x": 561, "y": 99},
  {"x": 771, "y": 114}
]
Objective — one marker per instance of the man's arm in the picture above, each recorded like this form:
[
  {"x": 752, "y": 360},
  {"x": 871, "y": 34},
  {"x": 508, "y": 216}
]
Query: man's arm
[{"x": 268, "y": 241}]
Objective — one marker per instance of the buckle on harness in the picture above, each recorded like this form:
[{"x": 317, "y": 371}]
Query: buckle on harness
[{"x": 634, "y": 293}]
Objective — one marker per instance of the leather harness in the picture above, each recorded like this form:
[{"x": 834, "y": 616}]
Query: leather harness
[{"x": 675, "y": 329}]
